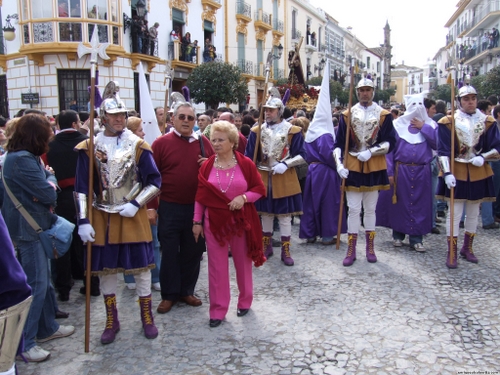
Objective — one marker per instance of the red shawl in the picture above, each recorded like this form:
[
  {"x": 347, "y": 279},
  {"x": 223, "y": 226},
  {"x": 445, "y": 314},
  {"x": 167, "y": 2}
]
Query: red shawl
[{"x": 224, "y": 223}]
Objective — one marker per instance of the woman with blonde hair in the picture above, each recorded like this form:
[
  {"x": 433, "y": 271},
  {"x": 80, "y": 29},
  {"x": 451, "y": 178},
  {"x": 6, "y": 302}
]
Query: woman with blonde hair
[{"x": 224, "y": 213}]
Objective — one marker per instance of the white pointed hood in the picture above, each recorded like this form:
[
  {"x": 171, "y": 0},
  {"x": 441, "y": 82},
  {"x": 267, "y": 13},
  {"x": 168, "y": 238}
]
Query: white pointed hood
[
  {"x": 148, "y": 116},
  {"x": 322, "y": 122}
]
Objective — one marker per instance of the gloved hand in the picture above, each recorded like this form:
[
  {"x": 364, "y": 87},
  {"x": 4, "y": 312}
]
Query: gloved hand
[
  {"x": 364, "y": 155},
  {"x": 129, "y": 210},
  {"x": 86, "y": 233},
  {"x": 342, "y": 171},
  {"x": 280, "y": 168},
  {"x": 477, "y": 161},
  {"x": 450, "y": 181}
]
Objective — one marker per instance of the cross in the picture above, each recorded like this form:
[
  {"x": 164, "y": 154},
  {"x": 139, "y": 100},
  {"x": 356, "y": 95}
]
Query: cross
[{"x": 94, "y": 50}]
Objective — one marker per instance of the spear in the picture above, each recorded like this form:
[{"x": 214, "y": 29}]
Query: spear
[
  {"x": 94, "y": 50},
  {"x": 261, "y": 115},
  {"x": 346, "y": 150},
  {"x": 169, "y": 72},
  {"x": 451, "y": 82}
]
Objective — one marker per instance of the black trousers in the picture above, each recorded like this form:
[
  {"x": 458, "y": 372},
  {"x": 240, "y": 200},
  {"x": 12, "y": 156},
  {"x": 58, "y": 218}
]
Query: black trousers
[
  {"x": 181, "y": 255},
  {"x": 70, "y": 265}
]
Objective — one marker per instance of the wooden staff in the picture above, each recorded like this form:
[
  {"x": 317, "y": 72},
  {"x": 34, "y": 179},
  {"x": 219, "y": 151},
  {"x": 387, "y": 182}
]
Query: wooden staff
[
  {"x": 95, "y": 49},
  {"x": 452, "y": 154},
  {"x": 346, "y": 150},
  {"x": 167, "y": 81},
  {"x": 261, "y": 114}
]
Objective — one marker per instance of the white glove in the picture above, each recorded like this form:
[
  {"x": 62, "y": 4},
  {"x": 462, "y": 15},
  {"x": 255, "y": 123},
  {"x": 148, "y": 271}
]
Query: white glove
[
  {"x": 450, "y": 181},
  {"x": 342, "y": 171},
  {"x": 86, "y": 233},
  {"x": 477, "y": 161},
  {"x": 364, "y": 155},
  {"x": 129, "y": 210},
  {"x": 280, "y": 168}
]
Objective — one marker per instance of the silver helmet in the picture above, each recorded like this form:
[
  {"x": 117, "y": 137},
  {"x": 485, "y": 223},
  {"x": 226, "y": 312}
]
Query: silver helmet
[
  {"x": 466, "y": 89},
  {"x": 365, "y": 82},
  {"x": 111, "y": 104},
  {"x": 274, "y": 101},
  {"x": 111, "y": 100}
]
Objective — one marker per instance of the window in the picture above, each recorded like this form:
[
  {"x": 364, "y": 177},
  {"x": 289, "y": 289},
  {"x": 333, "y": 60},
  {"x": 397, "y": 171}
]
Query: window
[
  {"x": 241, "y": 51},
  {"x": 137, "y": 95},
  {"x": 378, "y": 66},
  {"x": 73, "y": 85},
  {"x": 4, "y": 97},
  {"x": 98, "y": 9},
  {"x": 368, "y": 66},
  {"x": 39, "y": 9}
]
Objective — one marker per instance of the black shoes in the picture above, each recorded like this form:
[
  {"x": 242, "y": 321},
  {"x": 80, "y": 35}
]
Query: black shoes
[
  {"x": 435, "y": 230},
  {"x": 242, "y": 312},
  {"x": 215, "y": 323},
  {"x": 94, "y": 292},
  {"x": 61, "y": 314},
  {"x": 491, "y": 226}
]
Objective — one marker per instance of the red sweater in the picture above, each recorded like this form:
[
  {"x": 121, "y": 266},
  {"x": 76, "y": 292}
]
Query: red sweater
[{"x": 177, "y": 161}]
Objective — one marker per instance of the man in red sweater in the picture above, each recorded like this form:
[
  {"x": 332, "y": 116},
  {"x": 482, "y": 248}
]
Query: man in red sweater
[{"x": 178, "y": 156}]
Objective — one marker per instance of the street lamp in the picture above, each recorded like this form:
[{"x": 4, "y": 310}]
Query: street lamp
[
  {"x": 140, "y": 8},
  {"x": 9, "y": 31},
  {"x": 280, "y": 53},
  {"x": 320, "y": 66}
]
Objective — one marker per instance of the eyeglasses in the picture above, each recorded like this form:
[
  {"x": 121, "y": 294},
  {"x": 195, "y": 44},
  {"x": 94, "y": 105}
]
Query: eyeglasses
[{"x": 182, "y": 117}]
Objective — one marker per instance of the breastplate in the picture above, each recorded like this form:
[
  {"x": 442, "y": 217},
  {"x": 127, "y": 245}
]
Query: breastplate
[
  {"x": 365, "y": 125},
  {"x": 115, "y": 162},
  {"x": 274, "y": 142},
  {"x": 468, "y": 130}
]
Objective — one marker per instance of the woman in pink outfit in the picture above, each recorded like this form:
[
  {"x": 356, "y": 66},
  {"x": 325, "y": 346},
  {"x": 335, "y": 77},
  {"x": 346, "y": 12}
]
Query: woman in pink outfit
[{"x": 228, "y": 184}]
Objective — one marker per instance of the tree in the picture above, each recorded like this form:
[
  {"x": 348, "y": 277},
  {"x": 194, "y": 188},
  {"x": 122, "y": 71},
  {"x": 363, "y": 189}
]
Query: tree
[
  {"x": 491, "y": 83},
  {"x": 478, "y": 83},
  {"x": 443, "y": 92},
  {"x": 336, "y": 89},
  {"x": 217, "y": 82}
]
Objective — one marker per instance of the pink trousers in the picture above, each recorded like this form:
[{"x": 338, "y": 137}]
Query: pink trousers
[{"x": 218, "y": 274}]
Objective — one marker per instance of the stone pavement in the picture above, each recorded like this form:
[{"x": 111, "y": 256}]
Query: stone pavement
[{"x": 405, "y": 314}]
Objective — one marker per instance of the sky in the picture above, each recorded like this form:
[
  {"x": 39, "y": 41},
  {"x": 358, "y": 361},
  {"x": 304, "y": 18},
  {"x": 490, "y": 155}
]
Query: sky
[{"x": 417, "y": 28}]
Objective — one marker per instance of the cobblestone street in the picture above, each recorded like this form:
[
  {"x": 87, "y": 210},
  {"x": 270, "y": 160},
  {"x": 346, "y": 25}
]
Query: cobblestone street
[{"x": 405, "y": 314}]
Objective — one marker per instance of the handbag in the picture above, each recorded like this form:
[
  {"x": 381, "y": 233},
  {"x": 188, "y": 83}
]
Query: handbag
[{"x": 57, "y": 239}]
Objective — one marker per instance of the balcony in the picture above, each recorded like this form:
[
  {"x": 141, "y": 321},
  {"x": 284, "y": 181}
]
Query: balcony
[
  {"x": 311, "y": 43},
  {"x": 213, "y": 4},
  {"x": 479, "y": 54},
  {"x": 296, "y": 34},
  {"x": 246, "y": 67},
  {"x": 243, "y": 12},
  {"x": 180, "y": 58},
  {"x": 278, "y": 26},
  {"x": 277, "y": 74},
  {"x": 262, "y": 21},
  {"x": 483, "y": 18},
  {"x": 62, "y": 35}
]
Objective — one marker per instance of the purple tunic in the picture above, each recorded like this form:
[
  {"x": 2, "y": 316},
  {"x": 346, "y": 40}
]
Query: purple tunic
[
  {"x": 291, "y": 205},
  {"x": 321, "y": 192},
  {"x": 468, "y": 190},
  {"x": 410, "y": 164},
  {"x": 126, "y": 256},
  {"x": 14, "y": 287}
]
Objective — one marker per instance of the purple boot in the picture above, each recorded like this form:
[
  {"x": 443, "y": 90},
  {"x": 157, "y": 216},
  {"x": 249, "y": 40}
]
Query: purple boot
[
  {"x": 466, "y": 251},
  {"x": 352, "y": 238},
  {"x": 451, "y": 258},
  {"x": 370, "y": 246},
  {"x": 148, "y": 323},
  {"x": 285, "y": 251},
  {"x": 267, "y": 244},
  {"x": 112, "y": 323}
]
